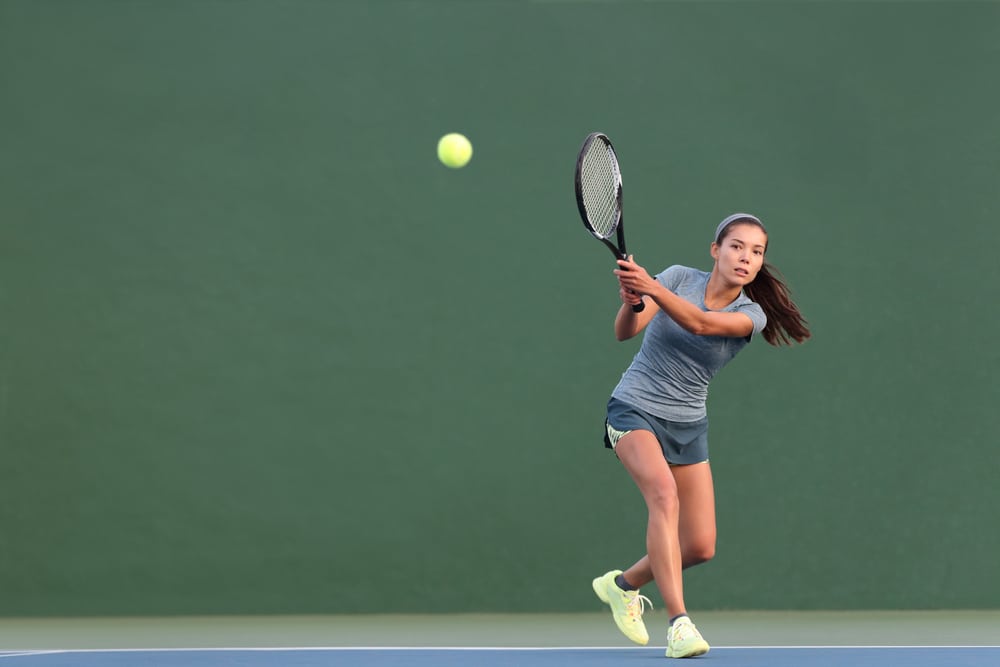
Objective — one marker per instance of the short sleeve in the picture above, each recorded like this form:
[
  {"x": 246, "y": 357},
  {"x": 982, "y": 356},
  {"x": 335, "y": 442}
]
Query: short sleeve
[
  {"x": 672, "y": 277},
  {"x": 756, "y": 315}
]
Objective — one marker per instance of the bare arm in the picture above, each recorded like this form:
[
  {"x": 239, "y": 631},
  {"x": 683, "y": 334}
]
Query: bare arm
[
  {"x": 634, "y": 278},
  {"x": 628, "y": 322}
]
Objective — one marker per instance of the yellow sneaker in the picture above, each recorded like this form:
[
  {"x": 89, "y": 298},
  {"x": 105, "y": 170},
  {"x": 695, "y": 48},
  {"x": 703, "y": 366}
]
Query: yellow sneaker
[
  {"x": 626, "y": 606},
  {"x": 684, "y": 640}
]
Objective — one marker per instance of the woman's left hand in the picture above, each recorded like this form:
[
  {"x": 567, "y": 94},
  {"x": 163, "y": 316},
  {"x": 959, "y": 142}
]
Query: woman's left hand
[{"x": 633, "y": 277}]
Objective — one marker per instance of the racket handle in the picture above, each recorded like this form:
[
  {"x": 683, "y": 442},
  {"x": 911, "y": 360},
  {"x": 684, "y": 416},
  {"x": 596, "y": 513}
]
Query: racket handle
[{"x": 639, "y": 307}]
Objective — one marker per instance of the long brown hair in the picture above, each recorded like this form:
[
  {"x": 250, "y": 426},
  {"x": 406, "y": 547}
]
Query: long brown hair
[{"x": 784, "y": 321}]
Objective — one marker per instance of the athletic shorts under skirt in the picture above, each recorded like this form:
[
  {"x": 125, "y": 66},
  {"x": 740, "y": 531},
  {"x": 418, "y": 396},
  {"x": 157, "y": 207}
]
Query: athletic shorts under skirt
[{"x": 683, "y": 443}]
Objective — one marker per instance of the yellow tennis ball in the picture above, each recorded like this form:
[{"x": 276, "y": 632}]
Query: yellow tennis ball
[{"x": 454, "y": 150}]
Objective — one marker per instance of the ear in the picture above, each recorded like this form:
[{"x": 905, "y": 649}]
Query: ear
[{"x": 714, "y": 251}]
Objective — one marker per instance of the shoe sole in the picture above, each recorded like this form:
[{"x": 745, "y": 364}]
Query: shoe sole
[{"x": 693, "y": 654}]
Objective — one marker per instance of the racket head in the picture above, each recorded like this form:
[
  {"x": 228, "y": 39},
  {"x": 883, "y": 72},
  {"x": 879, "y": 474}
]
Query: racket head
[{"x": 598, "y": 183}]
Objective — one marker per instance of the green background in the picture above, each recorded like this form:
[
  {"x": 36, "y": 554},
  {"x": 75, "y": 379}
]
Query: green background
[{"x": 260, "y": 353}]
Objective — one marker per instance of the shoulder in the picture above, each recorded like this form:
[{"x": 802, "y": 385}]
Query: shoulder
[
  {"x": 677, "y": 275},
  {"x": 751, "y": 309}
]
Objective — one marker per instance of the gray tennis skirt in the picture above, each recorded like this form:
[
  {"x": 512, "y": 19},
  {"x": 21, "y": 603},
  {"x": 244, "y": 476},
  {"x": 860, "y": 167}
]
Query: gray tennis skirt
[{"x": 683, "y": 443}]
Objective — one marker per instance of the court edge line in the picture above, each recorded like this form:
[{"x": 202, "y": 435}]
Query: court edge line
[{"x": 24, "y": 652}]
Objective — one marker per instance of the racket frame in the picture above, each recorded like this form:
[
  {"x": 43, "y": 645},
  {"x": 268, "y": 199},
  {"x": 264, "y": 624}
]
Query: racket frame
[{"x": 617, "y": 249}]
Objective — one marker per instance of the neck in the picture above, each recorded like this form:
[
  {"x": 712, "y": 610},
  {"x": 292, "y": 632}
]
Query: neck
[{"x": 720, "y": 293}]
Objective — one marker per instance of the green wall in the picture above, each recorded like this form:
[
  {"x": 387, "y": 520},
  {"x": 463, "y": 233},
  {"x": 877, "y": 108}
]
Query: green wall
[{"x": 261, "y": 353}]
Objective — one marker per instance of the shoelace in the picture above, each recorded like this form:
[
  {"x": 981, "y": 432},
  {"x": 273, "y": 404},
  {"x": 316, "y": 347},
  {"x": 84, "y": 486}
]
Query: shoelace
[
  {"x": 637, "y": 603},
  {"x": 682, "y": 629}
]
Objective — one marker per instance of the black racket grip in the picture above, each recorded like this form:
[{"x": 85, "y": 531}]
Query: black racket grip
[{"x": 639, "y": 307}]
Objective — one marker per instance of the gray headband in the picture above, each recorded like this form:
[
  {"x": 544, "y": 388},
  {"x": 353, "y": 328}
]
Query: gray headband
[{"x": 733, "y": 218}]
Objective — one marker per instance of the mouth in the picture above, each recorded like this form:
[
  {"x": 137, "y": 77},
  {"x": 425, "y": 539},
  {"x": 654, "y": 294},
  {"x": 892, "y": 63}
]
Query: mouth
[{"x": 742, "y": 272}]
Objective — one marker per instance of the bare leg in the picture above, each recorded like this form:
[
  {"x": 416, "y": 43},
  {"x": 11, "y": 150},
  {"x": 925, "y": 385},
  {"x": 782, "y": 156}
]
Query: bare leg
[
  {"x": 696, "y": 526},
  {"x": 642, "y": 457}
]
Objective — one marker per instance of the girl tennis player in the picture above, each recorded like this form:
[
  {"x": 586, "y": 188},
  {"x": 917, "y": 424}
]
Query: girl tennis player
[{"x": 694, "y": 322}]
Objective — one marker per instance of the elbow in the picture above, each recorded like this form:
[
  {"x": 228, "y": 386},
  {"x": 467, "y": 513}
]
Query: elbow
[
  {"x": 698, "y": 329},
  {"x": 623, "y": 334},
  {"x": 701, "y": 326}
]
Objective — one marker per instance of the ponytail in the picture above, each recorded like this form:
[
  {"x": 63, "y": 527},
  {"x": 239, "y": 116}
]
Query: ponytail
[{"x": 784, "y": 321}]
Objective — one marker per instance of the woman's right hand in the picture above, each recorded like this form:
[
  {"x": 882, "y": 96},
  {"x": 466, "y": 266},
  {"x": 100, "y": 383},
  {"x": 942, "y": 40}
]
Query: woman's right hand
[{"x": 628, "y": 296}]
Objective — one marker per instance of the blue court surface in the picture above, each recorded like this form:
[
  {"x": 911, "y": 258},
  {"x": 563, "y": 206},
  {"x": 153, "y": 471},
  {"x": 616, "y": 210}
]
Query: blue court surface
[
  {"x": 814, "y": 656},
  {"x": 739, "y": 639}
]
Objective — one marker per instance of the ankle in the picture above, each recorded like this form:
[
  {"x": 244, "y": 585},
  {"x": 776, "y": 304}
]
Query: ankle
[{"x": 623, "y": 583}]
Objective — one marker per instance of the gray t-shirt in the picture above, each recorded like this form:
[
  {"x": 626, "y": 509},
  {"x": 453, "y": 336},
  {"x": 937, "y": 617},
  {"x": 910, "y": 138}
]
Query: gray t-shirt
[{"x": 669, "y": 375}]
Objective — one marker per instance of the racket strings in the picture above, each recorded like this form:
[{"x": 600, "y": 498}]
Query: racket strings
[{"x": 599, "y": 185}]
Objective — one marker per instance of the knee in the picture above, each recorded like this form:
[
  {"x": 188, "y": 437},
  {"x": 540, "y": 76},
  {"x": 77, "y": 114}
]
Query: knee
[
  {"x": 663, "y": 498},
  {"x": 696, "y": 554},
  {"x": 698, "y": 546}
]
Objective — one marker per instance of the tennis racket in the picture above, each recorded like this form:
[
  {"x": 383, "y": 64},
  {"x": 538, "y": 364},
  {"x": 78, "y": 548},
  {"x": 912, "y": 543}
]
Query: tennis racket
[{"x": 599, "y": 194}]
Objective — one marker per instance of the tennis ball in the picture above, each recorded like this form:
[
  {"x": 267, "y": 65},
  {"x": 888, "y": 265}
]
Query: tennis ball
[{"x": 454, "y": 150}]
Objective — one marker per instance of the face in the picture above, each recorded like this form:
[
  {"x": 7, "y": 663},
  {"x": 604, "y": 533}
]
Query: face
[{"x": 740, "y": 253}]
